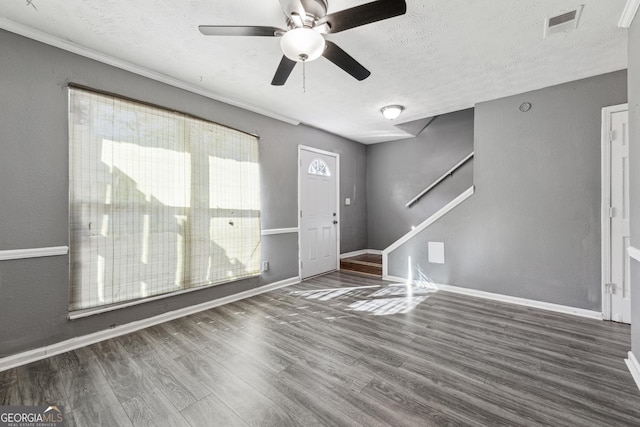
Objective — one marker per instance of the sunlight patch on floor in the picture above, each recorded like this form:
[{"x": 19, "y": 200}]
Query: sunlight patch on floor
[
  {"x": 387, "y": 306},
  {"x": 329, "y": 294},
  {"x": 395, "y": 298}
]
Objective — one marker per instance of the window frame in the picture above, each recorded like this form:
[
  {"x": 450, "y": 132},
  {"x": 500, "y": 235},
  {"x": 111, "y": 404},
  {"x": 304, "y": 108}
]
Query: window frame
[{"x": 85, "y": 312}]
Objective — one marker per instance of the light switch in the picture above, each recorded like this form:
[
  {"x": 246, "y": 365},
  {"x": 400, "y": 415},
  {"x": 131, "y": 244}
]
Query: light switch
[{"x": 347, "y": 201}]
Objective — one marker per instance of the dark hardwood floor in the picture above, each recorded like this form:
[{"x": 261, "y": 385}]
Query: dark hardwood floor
[{"x": 345, "y": 350}]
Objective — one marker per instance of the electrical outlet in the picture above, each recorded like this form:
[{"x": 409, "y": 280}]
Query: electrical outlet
[{"x": 265, "y": 265}]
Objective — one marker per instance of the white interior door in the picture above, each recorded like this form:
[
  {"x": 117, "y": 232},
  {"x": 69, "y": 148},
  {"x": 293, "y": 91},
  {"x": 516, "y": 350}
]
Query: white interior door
[
  {"x": 319, "y": 228},
  {"x": 617, "y": 287}
]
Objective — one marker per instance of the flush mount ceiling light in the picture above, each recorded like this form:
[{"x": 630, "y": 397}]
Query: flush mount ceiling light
[
  {"x": 302, "y": 44},
  {"x": 391, "y": 112}
]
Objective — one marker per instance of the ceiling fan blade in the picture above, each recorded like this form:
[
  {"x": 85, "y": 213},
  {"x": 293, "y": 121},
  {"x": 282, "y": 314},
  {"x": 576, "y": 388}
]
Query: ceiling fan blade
[
  {"x": 294, "y": 11},
  {"x": 364, "y": 14},
  {"x": 284, "y": 70},
  {"x": 345, "y": 61},
  {"x": 239, "y": 30}
]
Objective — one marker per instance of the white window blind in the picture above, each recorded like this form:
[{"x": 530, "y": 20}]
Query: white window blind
[{"x": 159, "y": 201}]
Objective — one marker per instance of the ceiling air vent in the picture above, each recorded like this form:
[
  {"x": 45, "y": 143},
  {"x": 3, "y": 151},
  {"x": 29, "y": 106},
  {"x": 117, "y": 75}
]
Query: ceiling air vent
[{"x": 564, "y": 22}]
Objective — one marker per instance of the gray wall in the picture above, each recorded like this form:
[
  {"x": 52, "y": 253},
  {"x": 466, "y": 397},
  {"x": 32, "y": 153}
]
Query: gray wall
[
  {"x": 397, "y": 171},
  {"x": 532, "y": 228},
  {"x": 34, "y": 188},
  {"x": 634, "y": 161}
]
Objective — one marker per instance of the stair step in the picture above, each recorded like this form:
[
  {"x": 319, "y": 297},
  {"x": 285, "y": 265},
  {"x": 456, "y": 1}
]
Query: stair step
[
  {"x": 365, "y": 264},
  {"x": 353, "y": 261}
]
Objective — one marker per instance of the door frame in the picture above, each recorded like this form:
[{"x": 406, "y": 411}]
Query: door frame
[
  {"x": 605, "y": 202},
  {"x": 299, "y": 214}
]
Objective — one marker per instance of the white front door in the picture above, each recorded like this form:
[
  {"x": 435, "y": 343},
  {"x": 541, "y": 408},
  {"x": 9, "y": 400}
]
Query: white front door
[
  {"x": 617, "y": 285},
  {"x": 319, "y": 227}
]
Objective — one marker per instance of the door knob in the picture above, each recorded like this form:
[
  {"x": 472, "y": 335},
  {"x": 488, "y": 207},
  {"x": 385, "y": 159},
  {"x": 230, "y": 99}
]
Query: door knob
[{"x": 335, "y": 222}]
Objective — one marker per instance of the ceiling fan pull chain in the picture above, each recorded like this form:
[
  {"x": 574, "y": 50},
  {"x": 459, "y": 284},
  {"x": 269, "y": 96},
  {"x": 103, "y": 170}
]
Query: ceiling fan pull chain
[{"x": 304, "y": 77}]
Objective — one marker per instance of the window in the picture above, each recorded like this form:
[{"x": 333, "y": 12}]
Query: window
[
  {"x": 318, "y": 167},
  {"x": 159, "y": 201}
]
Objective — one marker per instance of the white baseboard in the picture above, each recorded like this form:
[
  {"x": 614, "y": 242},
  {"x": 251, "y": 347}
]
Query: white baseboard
[
  {"x": 352, "y": 254},
  {"x": 395, "y": 279},
  {"x": 361, "y": 252},
  {"x": 82, "y": 341},
  {"x": 565, "y": 309},
  {"x": 634, "y": 368},
  {"x": 523, "y": 301}
]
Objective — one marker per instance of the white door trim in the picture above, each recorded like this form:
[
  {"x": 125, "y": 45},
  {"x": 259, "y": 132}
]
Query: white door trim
[
  {"x": 337, "y": 157},
  {"x": 605, "y": 155}
]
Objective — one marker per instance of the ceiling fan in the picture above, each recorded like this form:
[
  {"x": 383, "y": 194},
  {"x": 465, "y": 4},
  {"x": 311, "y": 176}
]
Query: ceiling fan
[{"x": 307, "y": 22}]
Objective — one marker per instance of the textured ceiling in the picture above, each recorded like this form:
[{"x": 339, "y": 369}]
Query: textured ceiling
[{"x": 441, "y": 56}]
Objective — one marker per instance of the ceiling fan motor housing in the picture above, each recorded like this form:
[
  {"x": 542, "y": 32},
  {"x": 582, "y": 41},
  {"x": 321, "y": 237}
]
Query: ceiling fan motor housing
[{"x": 314, "y": 9}]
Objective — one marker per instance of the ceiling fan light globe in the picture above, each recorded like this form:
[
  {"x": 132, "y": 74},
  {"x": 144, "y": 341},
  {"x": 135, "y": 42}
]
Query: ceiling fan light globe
[{"x": 302, "y": 44}]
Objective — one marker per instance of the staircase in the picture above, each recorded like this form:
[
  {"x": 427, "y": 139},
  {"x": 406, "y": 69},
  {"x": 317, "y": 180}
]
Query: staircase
[{"x": 368, "y": 264}]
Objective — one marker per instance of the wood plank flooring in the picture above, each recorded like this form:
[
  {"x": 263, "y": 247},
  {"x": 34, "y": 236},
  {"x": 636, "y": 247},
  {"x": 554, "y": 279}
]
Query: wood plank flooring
[{"x": 346, "y": 350}]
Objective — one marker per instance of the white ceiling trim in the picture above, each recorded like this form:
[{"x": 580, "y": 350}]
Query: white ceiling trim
[
  {"x": 28, "y": 32},
  {"x": 629, "y": 12}
]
